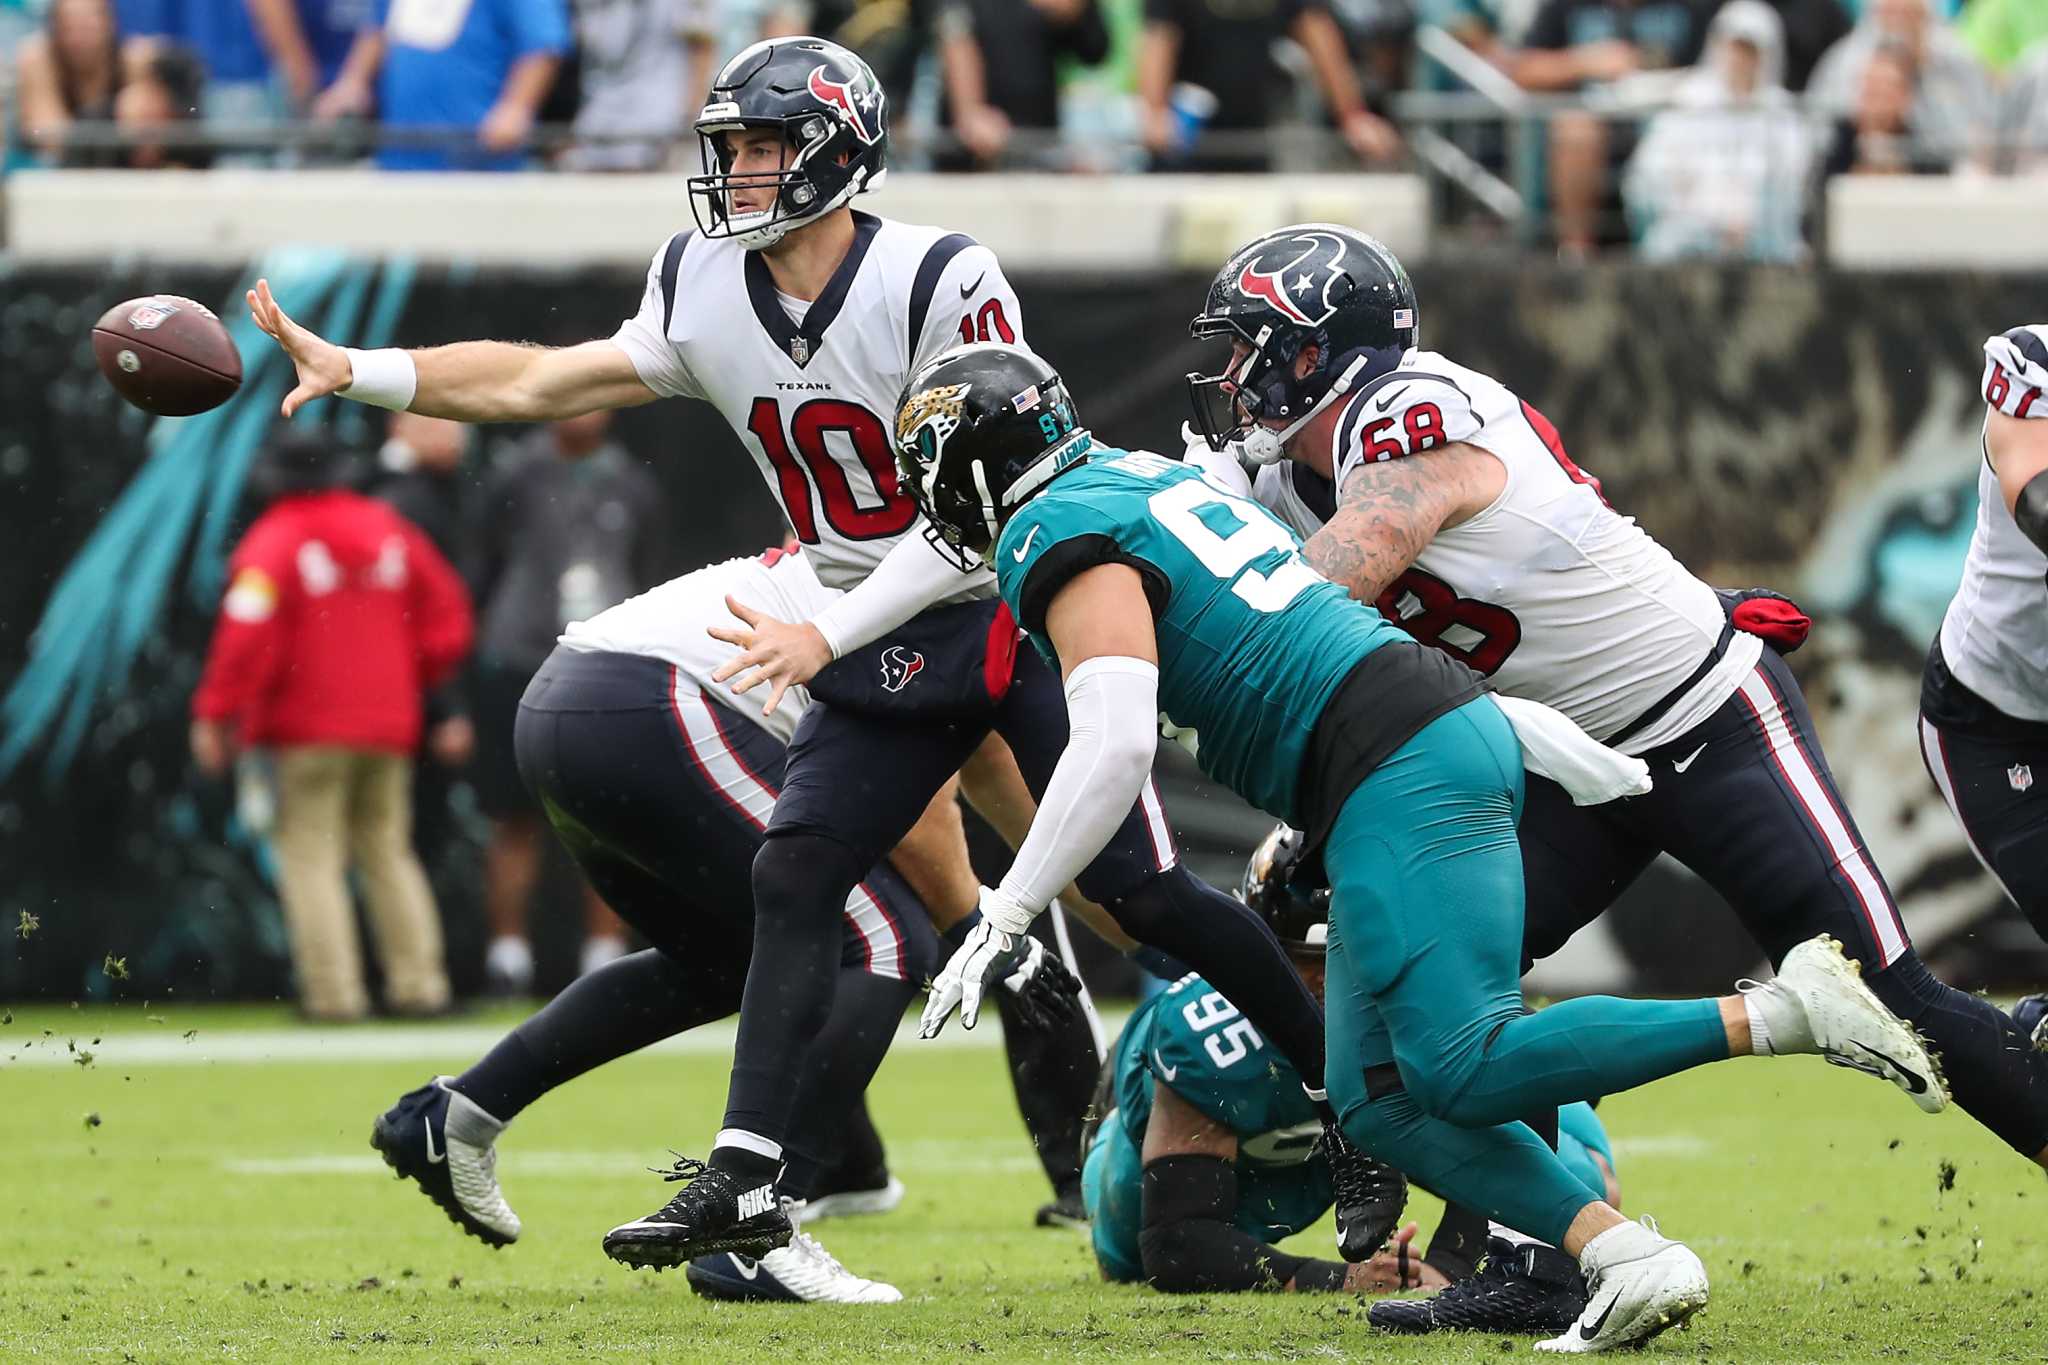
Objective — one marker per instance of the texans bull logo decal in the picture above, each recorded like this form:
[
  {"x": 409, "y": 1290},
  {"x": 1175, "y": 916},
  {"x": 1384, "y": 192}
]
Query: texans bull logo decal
[
  {"x": 899, "y": 666},
  {"x": 852, "y": 101},
  {"x": 1297, "y": 276}
]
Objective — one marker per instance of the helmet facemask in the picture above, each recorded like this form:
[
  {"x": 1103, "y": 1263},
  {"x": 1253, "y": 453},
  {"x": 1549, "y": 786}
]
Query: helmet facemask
[
  {"x": 924, "y": 423},
  {"x": 1260, "y": 384},
  {"x": 802, "y": 194}
]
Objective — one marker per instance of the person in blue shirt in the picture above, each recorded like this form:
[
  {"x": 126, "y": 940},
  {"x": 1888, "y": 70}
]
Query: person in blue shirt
[
  {"x": 480, "y": 68},
  {"x": 1204, "y": 1156},
  {"x": 308, "y": 40},
  {"x": 1158, "y": 593}
]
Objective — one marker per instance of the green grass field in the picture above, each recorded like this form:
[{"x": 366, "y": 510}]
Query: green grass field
[{"x": 226, "y": 1206}]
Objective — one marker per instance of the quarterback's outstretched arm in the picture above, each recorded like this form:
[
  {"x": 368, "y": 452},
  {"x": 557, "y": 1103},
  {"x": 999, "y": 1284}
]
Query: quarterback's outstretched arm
[
  {"x": 470, "y": 381},
  {"x": 2018, "y": 451},
  {"x": 1100, "y": 622},
  {"x": 1389, "y": 510}
]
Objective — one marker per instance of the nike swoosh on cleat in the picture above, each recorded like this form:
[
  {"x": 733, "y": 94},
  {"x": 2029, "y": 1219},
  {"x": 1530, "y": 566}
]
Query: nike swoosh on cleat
[
  {"x": 1588, "y": 1333},
  {"x": 967, "y": 290},
  {"x": 434, "y": 1158},
  {"x": 1686, "y": 762},
  {"x": 747, "y": 1269},
  {"x": 1915, "y": 1082}
]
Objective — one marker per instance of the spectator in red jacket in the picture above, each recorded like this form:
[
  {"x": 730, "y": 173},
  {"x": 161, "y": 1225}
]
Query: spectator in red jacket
[{"x": 339, "y": 616}]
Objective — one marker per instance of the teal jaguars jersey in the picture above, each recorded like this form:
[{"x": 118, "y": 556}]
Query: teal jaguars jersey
[
  {"x": 1192, "y": 1039},
  {"x": 1252, "y": 641}
]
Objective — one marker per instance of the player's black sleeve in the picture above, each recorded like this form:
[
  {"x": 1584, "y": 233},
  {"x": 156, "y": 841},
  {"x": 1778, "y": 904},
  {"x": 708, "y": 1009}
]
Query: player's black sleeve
[
  {"x": 1063, "y": 561},
  {"x": 1190, "y": 1246}
]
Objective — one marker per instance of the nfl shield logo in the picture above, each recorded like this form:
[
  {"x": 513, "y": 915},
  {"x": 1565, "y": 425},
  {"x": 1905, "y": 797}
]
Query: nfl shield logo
[
  {"x": 151, "y": 315},
  {"x": 2020, "y": 776},
  {"x": 800, "y": 350}
]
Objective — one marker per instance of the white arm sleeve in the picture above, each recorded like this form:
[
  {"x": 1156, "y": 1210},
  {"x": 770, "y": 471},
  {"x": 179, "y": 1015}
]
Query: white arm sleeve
[
  {"x": 1112, "y": 719},
  {"x": 910, "y": 578}
]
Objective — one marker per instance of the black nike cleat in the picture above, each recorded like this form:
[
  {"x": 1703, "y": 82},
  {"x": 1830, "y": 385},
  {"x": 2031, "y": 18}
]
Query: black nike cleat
[
  {"x": 714, "y": 1211},
  {"x": 1370, "y": 1196},
  {"x": 1068, "y": 1210},
  {"x": 2031, "y": 1014},
  {"x": 461, "y": 1177},
  {"x": 1524, "y": 1290}
]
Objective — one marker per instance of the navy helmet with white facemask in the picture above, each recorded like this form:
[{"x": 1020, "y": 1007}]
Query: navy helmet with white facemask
[
  {"x": 827, "y": 106},
  {"x": 1312, "y": 284}
]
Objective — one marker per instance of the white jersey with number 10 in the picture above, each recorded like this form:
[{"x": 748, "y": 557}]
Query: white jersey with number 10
[{"x": 811, "y": 388}]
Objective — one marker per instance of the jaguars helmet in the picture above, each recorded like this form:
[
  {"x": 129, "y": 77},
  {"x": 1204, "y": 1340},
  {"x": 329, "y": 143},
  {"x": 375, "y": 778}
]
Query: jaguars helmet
[
  {"x": 1314, "y": 283},
  {"x": 826, "y": 103},
  {"x": 980, "y": 429},
  {"x": 1297, "y": 915}
]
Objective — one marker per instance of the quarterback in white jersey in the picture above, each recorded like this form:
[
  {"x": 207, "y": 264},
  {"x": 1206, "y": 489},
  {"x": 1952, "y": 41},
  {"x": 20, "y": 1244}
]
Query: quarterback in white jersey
[
  {"x": 1984, "y": 698},
  {"x": 1437, "y": 494},
  {"x": 810, "y": 387},
  {"x": 801, "y": 320}
]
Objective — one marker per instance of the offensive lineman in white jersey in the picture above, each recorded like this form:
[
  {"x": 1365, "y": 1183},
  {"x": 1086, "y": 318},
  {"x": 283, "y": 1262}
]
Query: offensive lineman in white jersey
[
  {"x": 800, "y": 320},
  {"x": 1436, "y": 493},
  {"x": 1984, "y": 698}
]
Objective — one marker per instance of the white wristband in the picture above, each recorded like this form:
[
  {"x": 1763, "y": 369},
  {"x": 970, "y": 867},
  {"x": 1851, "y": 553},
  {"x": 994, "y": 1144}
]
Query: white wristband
[{"x": 384, "y": 379}]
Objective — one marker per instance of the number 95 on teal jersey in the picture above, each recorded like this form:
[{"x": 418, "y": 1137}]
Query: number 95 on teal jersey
[{"x": 1252, "y": 641}]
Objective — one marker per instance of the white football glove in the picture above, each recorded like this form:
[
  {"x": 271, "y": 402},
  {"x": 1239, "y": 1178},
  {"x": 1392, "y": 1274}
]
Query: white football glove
[{"x": 992, "y": 953}]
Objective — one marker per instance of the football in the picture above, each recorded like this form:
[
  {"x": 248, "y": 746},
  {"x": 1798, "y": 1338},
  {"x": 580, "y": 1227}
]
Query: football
[{"x": 167, "y": 355}]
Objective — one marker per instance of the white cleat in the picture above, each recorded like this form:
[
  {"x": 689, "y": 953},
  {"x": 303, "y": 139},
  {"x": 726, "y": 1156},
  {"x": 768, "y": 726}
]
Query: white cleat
[
  {"x": 852, "y": 1203},
  {"x": 1638, "y": 1283},
  {"x": 1846, "y": 1023},
  {"x": 802, "y": 1272}
]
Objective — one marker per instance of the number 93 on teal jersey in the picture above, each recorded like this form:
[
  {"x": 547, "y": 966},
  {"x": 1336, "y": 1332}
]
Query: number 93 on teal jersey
[{"x": 1252, "y": 641}]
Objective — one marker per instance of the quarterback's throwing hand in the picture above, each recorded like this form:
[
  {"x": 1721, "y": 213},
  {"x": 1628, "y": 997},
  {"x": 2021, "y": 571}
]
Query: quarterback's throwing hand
[
  {"x": 323, "y": 366},
  {"x": 988, "y": 956},
  {"x": 776, "y": 652}
]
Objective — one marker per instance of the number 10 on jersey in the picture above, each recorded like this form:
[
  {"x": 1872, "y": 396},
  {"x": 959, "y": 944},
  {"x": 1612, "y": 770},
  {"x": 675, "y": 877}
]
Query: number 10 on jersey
[{"x": 861, "y": 447}]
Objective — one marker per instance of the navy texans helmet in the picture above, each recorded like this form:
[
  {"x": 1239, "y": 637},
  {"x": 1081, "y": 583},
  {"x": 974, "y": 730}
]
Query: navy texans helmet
[
  {"x": 980, "y": 429},
  {"x": 1298, "y": 916},
  {"x": 829, "y": 108},
  {"x": 1314, "y": 283}
]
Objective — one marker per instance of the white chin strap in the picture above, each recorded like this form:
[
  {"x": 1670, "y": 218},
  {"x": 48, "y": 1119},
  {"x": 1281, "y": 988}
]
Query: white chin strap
[{"x": 1263, "y": 446}]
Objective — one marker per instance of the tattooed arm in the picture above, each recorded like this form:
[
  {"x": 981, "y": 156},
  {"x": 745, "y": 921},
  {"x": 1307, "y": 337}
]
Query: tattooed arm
[{"x": 1389, "y": 510}]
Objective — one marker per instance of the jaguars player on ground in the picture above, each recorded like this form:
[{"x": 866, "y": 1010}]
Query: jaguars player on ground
[
  {"x": 799, "y": 319},
  {"x": 1984, "y": 698},
  {"x": 1159, "y": 593},
  {"x": 1449, "y": 501},
  {"x": 1205, "y": 1156}
]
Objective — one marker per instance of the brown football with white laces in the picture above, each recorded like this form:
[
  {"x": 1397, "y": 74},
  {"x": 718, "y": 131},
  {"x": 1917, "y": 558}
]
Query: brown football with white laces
[{"x": 167, "y": 354}]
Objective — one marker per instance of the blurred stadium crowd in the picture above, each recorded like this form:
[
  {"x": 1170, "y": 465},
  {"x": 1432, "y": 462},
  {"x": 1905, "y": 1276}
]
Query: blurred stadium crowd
[{"x": 1679, "y": 127}]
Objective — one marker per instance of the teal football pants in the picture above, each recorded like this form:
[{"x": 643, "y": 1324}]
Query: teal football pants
[{"x": 1425, "y": 973}]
